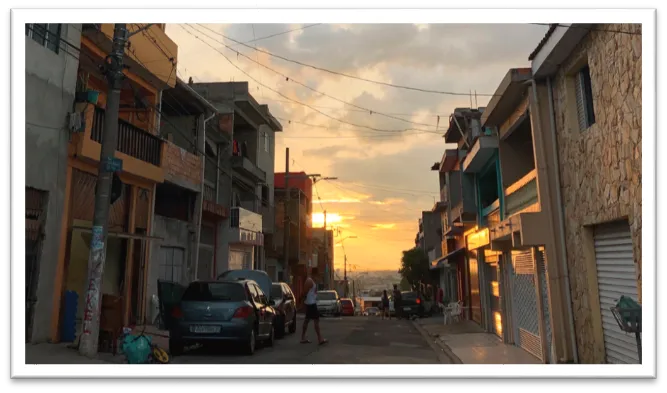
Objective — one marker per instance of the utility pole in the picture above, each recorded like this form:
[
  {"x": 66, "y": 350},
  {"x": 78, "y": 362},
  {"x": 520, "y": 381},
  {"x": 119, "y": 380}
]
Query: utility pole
[
  {"x": 345, "y": 274},
  {"x": 326, "y": 248},
  {"x": 286, "y": 219},
  {"x": 114, "y": 74}
]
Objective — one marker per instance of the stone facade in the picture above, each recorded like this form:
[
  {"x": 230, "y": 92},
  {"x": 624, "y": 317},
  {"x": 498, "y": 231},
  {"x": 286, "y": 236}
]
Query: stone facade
[
  {"x": 182, "y": 167},
  {"x": 601, "y": 166}
]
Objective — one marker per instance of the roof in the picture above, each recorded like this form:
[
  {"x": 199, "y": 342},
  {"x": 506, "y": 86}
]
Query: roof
[{"x": 543, "y": 41}]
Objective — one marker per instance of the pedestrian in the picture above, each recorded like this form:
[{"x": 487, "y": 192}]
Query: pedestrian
[
  {"x": 311, "y": 312},
  {"x": 398, "y": 302},
  {"x": 385, "y": 305}
]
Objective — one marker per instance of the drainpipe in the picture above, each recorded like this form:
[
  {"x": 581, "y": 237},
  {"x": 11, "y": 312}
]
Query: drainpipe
[
  {"x": 561, "y": 225},
  {"x": 199, "y": 206}
]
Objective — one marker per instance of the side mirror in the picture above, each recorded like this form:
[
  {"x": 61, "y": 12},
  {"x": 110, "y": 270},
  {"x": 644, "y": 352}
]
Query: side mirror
[{"x": 272, "y": 302}]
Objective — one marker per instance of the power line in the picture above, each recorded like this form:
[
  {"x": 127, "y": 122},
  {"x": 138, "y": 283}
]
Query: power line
[
  {"x": 290, "y": 121},
  {"x": 343, "y": 74},
  {"x": 290, "y": 99},
  {"x": 589, "y": 28},
  {"x": 287, "y": 78},
  {"x": 282, "y": 32},
  {"x": 358, "y": 110}
]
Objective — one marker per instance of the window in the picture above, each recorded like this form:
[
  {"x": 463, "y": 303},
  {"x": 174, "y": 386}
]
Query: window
[
  {"x": 584, "y": 97},
  {"x": 171, "y": 264},
  {"x": 267, "y": 142},
  {"x": 328, "y": 295},
  {"x": 45, "y": 34},
  {"x": 276, "y": 291},
  {"x": 258, "y": 296},
  {"x": 206, "y": 292},
  {"x": 265, "y": 196}
]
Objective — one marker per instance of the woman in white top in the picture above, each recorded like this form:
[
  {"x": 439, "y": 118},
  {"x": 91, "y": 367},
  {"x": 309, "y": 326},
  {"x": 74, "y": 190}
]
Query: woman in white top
[{"x": 311, "y": 312}]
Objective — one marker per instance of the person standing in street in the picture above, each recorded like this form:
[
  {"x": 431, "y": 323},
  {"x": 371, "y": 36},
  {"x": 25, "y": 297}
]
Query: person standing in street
[
  {"x": 397, "y": 302},
  {"x": 311, "y": 312},
  {"x": 385, "y": 305}
]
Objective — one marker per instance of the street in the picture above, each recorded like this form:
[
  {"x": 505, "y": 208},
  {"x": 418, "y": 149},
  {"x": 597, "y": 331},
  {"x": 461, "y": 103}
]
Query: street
[{"x": 352, "y": 340}]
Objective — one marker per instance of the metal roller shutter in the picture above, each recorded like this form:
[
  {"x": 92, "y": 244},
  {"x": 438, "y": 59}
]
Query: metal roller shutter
[
  {"x": 617, "y": 276},
  {"x": 544, "y": 281},
  {"x": 524, "y": 297}
]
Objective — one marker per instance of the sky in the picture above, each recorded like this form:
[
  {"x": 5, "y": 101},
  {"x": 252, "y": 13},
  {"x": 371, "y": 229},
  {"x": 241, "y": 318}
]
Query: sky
[{"x": 356, "y": 130}]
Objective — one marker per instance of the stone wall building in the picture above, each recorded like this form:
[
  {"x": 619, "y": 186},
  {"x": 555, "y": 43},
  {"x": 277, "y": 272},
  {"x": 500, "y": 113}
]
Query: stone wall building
[{"x": 587, "y": 89}]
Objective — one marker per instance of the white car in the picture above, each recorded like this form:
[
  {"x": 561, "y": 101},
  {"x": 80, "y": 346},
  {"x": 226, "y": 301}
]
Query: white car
[{"x": 328, "y": 303}]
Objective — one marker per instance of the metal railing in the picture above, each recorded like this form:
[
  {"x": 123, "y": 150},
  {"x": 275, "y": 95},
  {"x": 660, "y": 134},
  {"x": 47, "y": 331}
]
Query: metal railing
[
  {"x": 209, "y": 193},
  {"x": 132, "y": 140}
]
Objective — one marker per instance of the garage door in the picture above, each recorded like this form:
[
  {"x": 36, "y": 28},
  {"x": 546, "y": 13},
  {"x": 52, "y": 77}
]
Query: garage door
[
  {"x": 616, "y": 274},
  {"x": 524, "y": 306}
]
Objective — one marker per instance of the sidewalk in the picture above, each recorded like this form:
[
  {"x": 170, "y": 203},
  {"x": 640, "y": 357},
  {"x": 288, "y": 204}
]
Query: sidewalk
[{"x": 470, "y": 344}]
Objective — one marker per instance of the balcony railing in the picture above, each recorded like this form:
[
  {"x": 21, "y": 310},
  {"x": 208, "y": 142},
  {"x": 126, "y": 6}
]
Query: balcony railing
[
  {"x": 521, "y": 194},
  {"x": 132, "y": 140},
  {"x": 491, "y": 213},
  {"x": 209, "y": 193}
]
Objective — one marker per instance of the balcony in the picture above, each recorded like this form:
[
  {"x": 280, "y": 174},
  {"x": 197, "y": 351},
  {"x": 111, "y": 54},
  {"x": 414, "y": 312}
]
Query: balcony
[
  {"x": 464, "y": 214},
  {"x": 481, "y": 153},
  {"x": 151, "y": 55},
  {"x": 182, "y": 167},
  {"x": 140, "y": 151},
  {"x": 246, "y": 168},
  {"x": 522, "y": 194},
  {"x": 491, "y": 214},
  {"x": 245, "y": 227},
  {"x": 210, "y": 204}
]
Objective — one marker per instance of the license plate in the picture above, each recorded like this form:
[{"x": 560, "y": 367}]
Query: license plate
[
  {"x": 407, "y": 308},
  {"x": 204, "y": 329}
]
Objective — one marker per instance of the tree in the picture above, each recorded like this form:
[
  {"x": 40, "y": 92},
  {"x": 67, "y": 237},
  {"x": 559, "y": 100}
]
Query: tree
[{"x": 415, "y": 266}]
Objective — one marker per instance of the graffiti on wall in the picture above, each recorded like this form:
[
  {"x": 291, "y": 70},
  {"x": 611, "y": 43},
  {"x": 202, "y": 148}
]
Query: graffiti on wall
[{"x": 92, "y": 305}]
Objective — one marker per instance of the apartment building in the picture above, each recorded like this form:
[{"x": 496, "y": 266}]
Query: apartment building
[
  {"x": 300, "y": 233},
  {"x": 244, "y": 174},
  {"x": 586, "y": 105},
  {"x": 51, "y": 81},
  {"x": 139, "y": 168}
]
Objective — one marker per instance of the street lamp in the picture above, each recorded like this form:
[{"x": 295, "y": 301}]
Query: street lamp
[{"x": 345, "y": 256}]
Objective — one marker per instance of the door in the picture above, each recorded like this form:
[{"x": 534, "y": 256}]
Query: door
[
  {"x": 235, "y": 259},
  {"x": 169, "y": 295},
  {"x": 617, "y": 276},
  {"x": 205, "y": 263},
  {"x": 290, "y": 305},
  {"x": 261, "y": 303},
  {"x": 475, "y": 298},
  {"x": 34, "y": 233},
  {"x": 493, "y": 274},
  {"x": 172, "y": 263},
  {"x": 524, "y": 303}
]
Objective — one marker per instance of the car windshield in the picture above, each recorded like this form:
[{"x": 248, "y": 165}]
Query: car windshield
[
  {"x": 214, "y": 291},
  {"x": 409, "y": 295},
  {"x": 346, "y": 302},
  {"x": 326, "y": 296},
  {"x": 276, "y": 291}
]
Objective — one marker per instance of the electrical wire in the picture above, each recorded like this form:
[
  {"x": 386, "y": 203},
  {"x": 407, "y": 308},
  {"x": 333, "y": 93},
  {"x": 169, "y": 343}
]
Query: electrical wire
[
  {"x": 343, "y": 74},
  {"x": 293, "y": 100},
  {"x": 358, "y": 110},
  {"x": 288, "y": 78}
]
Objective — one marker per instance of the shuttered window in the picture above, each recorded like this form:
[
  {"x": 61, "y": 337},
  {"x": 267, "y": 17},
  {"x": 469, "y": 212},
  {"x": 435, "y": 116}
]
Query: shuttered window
[{"x": 584, "y": 98}]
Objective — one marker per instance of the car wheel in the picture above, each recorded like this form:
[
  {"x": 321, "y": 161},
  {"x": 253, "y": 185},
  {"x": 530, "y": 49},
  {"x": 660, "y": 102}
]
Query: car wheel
[
  {"x": 280, "y": 327},
  {"x": 272, "y": 336},
  {"x": 175, "y": 347},
  {"x": 251, "y": 343},
  {"x": 292, "y": 326}
]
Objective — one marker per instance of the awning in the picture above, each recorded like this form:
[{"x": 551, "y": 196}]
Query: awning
[
  {"x": 449, "y": 258},
  {"x": 122, "y": 235}
]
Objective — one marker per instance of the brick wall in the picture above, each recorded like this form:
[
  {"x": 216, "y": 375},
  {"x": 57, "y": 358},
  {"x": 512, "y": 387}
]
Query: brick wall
[
  {"x": 182, "y": 167},
  {"x": 601, "y": 166}
]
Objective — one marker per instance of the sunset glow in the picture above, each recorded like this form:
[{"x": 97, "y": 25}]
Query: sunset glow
[{"x": 332, "y": 219}]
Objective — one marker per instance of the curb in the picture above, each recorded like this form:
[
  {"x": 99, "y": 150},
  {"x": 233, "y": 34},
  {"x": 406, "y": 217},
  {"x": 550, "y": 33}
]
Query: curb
[{"x": 440, "y": 348}]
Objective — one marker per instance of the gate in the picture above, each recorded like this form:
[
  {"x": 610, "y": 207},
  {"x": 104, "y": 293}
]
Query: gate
[
  {"x": 35, "y": 201},
  {"x": 524, "y": 297}
]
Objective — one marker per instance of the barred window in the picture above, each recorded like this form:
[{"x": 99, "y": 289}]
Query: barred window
[{"x": 45, "y": 34}]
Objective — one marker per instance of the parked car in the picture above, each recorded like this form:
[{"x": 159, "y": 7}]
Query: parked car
[
  {"x": 217, "y": 311},
  {"x": 347, "y": 307},
  {"x": 372, "y": 311},
  {"x": 285, "y": 306},
  {"x": 412, "y": 304},
  {"x": 328, "y": 303},
  {"x": 259, "y": 276}
]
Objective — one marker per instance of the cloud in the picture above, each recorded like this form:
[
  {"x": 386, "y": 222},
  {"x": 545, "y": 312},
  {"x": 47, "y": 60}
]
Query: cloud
[
  {"x": 385, "y": 176},
  {"x": 383, "y": 226}
]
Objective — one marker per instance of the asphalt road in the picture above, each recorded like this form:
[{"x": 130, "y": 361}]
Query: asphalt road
[{"x": 352, "y": 340}]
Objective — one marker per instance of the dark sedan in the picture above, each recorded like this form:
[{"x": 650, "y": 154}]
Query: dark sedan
[
  {"x": 285, "y": 306},
  {"x": 412, "y": 305},
  {"x": 220, "y": 311}
]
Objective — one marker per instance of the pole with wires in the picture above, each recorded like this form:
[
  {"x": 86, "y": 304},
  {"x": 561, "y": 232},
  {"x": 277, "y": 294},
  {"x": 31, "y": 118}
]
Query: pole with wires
[
  {"x": 286, "y": 220},
  {"x": 114, "y": 74}
]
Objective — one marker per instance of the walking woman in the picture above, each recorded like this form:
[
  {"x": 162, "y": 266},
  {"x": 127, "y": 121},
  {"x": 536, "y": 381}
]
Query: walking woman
[{"x": 385, "y": 305}]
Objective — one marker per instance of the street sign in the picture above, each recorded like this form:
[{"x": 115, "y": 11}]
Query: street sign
[{"x": 113, "y": 164}]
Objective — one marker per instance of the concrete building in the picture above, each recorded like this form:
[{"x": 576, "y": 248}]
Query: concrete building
[
  {"x": 51, "y": 79},
  {"x": 188, "y": 208},
  {"x": 586, "y": 105},
  {"x": 429, "y": 235},
  {"x": 141, "y": 152},
  {"x": 246, "y": 165}
]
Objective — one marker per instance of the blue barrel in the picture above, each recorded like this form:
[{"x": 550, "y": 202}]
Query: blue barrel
[{"x": 68, "y": 323}]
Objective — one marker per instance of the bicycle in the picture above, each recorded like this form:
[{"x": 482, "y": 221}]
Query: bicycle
[{"x": 142, "y": 352}]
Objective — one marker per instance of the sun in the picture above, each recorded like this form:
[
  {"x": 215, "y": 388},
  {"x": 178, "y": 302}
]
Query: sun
[{"x": 332, "y": 218}]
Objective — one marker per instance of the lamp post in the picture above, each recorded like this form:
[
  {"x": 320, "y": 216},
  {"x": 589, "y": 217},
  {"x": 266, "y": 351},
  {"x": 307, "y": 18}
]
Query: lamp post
[{"x": 345, "y": 260}]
